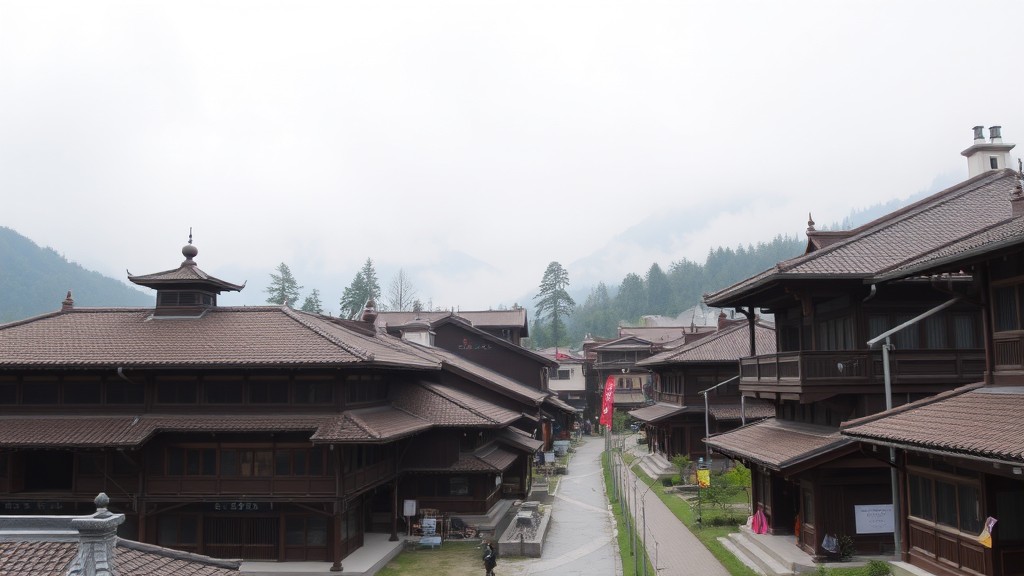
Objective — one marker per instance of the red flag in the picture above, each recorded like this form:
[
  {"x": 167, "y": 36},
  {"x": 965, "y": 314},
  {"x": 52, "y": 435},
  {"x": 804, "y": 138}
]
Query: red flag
[{"x": 608, "y": 402}]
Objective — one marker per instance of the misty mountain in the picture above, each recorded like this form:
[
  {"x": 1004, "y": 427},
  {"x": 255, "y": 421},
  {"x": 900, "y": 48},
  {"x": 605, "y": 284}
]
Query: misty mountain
[{"x": 35, "y": 280}]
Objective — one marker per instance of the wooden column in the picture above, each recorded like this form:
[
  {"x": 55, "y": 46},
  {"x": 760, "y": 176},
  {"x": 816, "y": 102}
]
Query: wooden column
[{"x": 394, "y": 510}]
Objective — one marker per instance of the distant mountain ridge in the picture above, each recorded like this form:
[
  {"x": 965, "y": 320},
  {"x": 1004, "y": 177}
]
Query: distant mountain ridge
[{"x": 35, "y": 280}]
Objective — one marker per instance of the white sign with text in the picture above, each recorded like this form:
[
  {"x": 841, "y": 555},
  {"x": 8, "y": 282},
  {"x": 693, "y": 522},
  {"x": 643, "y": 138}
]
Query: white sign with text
[{"x": 874, "y": 518}]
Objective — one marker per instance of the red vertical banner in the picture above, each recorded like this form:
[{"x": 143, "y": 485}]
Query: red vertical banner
[{"x": 608, "y": 402}]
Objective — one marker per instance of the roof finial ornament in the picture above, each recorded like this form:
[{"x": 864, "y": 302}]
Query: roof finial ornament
[
  {"x": 189, "y": 251},
  {"x": 68, "y": 303},
  {"x": 810, "y": 223}
]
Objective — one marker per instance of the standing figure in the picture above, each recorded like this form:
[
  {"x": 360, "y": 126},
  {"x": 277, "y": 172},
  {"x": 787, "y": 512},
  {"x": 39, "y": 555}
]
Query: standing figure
[{"x": 490, "y": 558}]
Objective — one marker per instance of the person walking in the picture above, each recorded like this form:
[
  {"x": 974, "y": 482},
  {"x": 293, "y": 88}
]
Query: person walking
[{"x": 490, "y": 558}]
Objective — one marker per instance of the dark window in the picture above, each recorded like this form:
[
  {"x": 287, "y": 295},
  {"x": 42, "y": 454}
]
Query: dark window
[
  {"x": 82, "y": 392},
  {"x": 9, "y": 393},
  {"x": 49, "y": 470},
  {"x": 458, "y": 486},
  {"x": 313, "y": 392},
  {"x": 1006, "y": 314},
  {"x": 39, "y": 393},
  {"x": 121, "y": 392},
  {"x": 808, "y": 511},
  {"x": 183, "y": 392},
  {"x": 993, "y": 162},
  {"x": 945, "y": 503},
  {"x": 229, "y": 465},
  {"x": 223, "y": 392},
  {"x": 921, "y": 497},
  {"x": 359, "y": 389},
  {"x": 90, "y": 464},
  {"x": 176, "y": 530},
  {"x": 965, "y": 331},
  {"x": 268, "y": 392},
  {"x": 283, "y": 463},
  {"x": 123, "y": 465},
  {"x": 256, "y": 462},
  {"x": 175, "y": 461},
  {"x": 970, "y": 509},
  {"x": 306, "y": 531}
]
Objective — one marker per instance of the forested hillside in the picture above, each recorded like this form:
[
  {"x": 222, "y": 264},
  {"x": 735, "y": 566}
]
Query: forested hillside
[
  {"x": 667, "y": 292},
  {"x": 35, "y": 280}
]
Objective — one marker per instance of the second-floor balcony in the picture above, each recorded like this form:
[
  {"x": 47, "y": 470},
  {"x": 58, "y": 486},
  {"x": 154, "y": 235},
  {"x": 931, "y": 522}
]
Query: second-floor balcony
[{"x": 859, "y": 371}]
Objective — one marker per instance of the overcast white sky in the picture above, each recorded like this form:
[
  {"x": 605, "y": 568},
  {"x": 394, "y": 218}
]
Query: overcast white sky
[{"x": 474, "y": 142}]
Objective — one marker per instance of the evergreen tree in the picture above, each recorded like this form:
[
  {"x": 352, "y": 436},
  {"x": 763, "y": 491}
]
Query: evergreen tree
[
  {"x": 659, "y": 291},
  {"x": 631, "y": 300},
  {"x": 283, "y": 289},
  {"x": 553, "y": 302},
  {"x": 312, "y": 303},
  {"x": 363, "y": 288}
]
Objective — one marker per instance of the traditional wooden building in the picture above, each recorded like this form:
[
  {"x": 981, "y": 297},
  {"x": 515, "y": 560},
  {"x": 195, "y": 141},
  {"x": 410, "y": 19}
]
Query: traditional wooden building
[
  {"x": 509, "y": 325},
  {"x": 960, "y": 454},
  {"x": 806, "y": 475},
  {"x": 696, "y": 390},
  {"x": 256, "y": 432},
  {"x": 456, "y": 335}
]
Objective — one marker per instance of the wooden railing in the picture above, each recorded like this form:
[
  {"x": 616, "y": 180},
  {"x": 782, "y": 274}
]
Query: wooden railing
[
  {"x": 795, "y": 370},
  {"x": 1008, "y": 348}
]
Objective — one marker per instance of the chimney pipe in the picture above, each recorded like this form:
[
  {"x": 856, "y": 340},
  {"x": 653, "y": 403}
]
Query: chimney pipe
[
  {"x": 995, "y": 133},
  {"x": 979, "y": 133}
]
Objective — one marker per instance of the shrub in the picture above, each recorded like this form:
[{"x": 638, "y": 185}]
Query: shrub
[
  {"x": 846, "y": 547},
  {"x": 878, "y": 568}
]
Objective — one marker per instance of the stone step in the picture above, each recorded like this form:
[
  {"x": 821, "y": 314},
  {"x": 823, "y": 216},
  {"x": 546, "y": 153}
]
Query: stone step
[{"x": 762, "y": 557}]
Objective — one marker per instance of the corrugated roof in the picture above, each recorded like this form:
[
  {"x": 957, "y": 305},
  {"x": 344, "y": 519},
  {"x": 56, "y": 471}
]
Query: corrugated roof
[
  {"x": 235, "y": 336},
  {"x": 973, "y": 421},
  {"x": 895, "y": 238},
  {"x": 779, "y": 444}
]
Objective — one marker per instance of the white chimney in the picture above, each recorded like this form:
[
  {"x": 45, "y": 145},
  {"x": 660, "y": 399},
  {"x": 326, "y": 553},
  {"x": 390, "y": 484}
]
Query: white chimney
[
  {"x": 984, "y": 156},
  {"x": 418, "y": 331}
]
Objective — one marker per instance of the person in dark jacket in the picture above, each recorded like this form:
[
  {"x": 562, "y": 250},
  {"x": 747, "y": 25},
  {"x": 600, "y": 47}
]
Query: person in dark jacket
[{"x": 490, "y": 558}]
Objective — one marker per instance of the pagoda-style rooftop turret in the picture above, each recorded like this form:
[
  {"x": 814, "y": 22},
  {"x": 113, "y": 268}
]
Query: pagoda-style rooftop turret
[{"x": 185, "y": 290}]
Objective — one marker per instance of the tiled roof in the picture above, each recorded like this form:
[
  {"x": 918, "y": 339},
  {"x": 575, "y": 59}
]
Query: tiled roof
[
  {"x": 779, "y": 444},
  {"x": 519, "y": 439},
  {"x": 185, "y": 274},
  {"x": 489, "y": 377},
  {"x": 558, "y": 403},
  {"x": 755, "y": 409},
  {"x": 898, "y": 237},
  {"x": 970, "y": 421},
  {"x": 625, "y": 343},
  {"x": 625, "y": 398},
  {"x": 726, "y": 345},
  {"x": 481, "y": 319},
  {"x": 50, "y": 558},
  {"x": 656, "y": 412},
  {"x": 1002, "y": 235},
  {"x": 490, "y": 458},
  {"x": 130, "y": 431},
  {"x": 226, "y": 336},
  {"x": 447, "y": 406},
  {"x": 380, "y": 423}
]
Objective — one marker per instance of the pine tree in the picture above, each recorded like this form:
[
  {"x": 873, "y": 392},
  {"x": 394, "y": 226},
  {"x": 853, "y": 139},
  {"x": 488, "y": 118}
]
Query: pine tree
[
  {"x": 363, "y": 288},
  {"x": 312, "y": 303},
  {"x": 553, "y": 302},
  {"x": 283, "y": 289}
]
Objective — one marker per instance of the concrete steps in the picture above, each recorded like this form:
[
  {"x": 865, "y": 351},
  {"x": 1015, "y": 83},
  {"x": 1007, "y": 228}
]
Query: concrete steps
[
  {"x": 657, "y": 466},
  {"x": 762, "y": 558}
]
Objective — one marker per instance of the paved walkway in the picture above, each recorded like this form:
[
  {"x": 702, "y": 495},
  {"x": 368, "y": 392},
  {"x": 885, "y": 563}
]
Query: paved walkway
[
  {"x": 581, "y": 536},
  {"x": 673, "y": 549}
]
